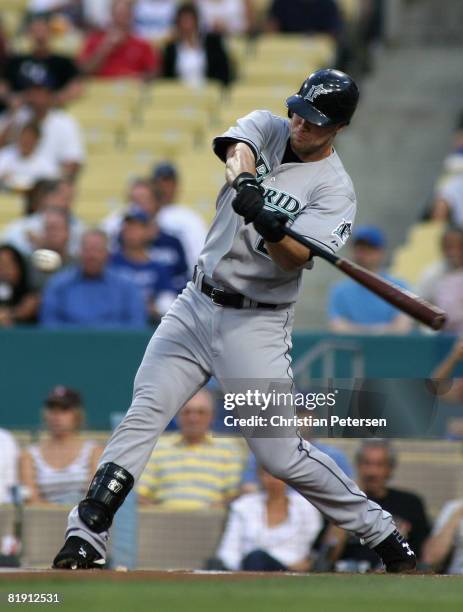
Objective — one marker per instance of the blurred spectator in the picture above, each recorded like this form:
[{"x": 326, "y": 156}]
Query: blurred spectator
[
  {"x": 442, "y": 375},
  {"x": 133, "y": 262},
  {"x": 166, "y": 250},
  {"x": 153, "y": 19},
  {"x": 250, "y": 480},
  {"x": 139, "y": 195},
  {"x": 192, "y": 469},
  {"x": 61, "y": 139},
  {"x": 452, "y": 251},
  {"x": 58, "y": 70},
  {"x": 305, "y": 17},
  {"x": 448, "y": 203},
  {"x": 92, "y": 295},
  {"x": 447, "y": 294},
  {"x": 444, "y": 549},
  {"x": 226, "y": 16},
  {"x": 376, "y": 463},
  {"x": 175, "y": 219},
  {"x": 58, "y": 469},
  {"x": 19, "y": 301},
  {"x": 22, "y": 164},
  {"x": 352, "y": 308},
  {"x": 96, "y": 14},
  {"x": 192, "y": 56},
  {"x": 55, "y": 237},
  {"x": 116, "y": 52},
  {"x": 8, "y": 465},
  {"x": 26, "y": 233},
  {"x": 271, "y": 530}
]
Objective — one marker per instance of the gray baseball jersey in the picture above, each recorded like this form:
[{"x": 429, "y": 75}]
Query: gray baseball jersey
[{"x": 318, "y": 198}]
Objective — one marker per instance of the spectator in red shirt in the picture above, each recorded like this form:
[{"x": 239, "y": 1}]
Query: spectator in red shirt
[{"x": 116, "y": 52}]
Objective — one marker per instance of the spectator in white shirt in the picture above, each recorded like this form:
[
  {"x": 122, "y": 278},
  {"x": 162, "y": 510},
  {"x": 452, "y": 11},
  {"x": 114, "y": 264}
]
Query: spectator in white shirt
[
  {"x": 225, "y": 16},
  {"x": 9, "y": 457},
  {"x": 444, "y": 549},
  {"x": 175, "y": 219},
  {"x": 61, "y": 139},
  {"x": 448, "y": 204},
  {"x": 22, "y": 164},
  {"x": 272, "y": 530}
]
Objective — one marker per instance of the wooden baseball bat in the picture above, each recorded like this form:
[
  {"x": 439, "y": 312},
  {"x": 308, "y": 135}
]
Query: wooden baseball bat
[{"x": 404, "y": 300}]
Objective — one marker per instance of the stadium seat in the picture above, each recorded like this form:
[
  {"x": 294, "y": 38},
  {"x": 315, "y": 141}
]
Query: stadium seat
[
  {"x": 421, "y": 250},
  {"x": 194, "y": 121},
  {"x": 289, "y": 75},
  {"x": 169, "y": 94},
  {"x": 11, "y": 207},
  {"x": 254, "y": 97},
  {"x": 169, "y": 143},
  {"x": 275, "y": 49}
]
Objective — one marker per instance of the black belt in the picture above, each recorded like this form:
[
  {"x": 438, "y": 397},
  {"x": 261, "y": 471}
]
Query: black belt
[{"x": 220, "y": 297}]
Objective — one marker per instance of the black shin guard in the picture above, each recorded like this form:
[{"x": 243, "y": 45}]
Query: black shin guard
[{"x": 110, "y": 486}]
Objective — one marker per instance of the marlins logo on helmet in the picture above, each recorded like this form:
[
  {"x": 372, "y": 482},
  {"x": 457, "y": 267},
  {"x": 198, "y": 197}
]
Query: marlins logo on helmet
[{"x": 315, "y": 91}]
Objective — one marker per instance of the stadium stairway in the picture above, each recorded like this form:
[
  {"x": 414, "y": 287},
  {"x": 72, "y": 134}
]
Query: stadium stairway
[{"x": 394, "y": 151}]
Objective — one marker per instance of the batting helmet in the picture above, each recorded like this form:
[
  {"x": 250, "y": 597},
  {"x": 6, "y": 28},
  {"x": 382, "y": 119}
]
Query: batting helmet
[{"x": 327, "y": 97}]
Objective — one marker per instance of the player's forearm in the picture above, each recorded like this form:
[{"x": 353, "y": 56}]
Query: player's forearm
[
  {"x": 240, "y": 158},
  {"x": 288, "y": 254}
]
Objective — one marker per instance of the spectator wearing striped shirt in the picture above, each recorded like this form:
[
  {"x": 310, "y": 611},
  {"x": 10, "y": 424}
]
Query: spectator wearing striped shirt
[
  {"x": 192, "y": 470},
  {"x": 58, "y": 469}
]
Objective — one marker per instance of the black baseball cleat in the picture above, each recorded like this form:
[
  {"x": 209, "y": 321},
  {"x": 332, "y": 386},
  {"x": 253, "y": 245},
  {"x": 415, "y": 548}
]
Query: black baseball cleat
[
  {"x": 397, "y": 556},
  {"x": 78, "y": 554}
]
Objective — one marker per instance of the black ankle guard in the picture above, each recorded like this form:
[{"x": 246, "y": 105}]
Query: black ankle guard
[{"x": 110, "y": 486}]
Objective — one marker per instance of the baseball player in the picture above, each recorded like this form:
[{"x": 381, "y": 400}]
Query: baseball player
[{"x": 234, "y": 320}]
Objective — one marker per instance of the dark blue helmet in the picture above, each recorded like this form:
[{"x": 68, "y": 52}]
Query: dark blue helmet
[{"x": 327, "y": 97}]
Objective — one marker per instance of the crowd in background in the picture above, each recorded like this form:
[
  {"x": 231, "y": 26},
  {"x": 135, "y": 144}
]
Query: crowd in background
[
  {"x": 269, "y": 526},
  {"x": 143, "y": 255}
]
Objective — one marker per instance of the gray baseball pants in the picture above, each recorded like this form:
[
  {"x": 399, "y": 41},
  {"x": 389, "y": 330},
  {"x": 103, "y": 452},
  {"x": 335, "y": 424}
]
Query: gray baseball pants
[{"x": 198, "y": 339}]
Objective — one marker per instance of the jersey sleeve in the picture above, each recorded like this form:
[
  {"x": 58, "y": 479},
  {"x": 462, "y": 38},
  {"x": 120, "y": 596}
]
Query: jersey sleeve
[
  {"x": 253, "y": 129},
  {"x": 328, "y": 219}
]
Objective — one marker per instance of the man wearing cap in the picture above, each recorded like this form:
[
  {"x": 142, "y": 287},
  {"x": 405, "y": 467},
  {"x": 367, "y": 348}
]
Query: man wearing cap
[
  {"x": 132, "y": 260},
  {"x": 175, "y": 219},
  {"x": 354, "y": 309}
]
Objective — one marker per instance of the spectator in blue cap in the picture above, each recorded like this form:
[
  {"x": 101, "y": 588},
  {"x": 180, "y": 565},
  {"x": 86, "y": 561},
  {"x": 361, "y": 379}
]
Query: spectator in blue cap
[
  {"x": 133, "y": 261},
  {"x": 352, "y": 309}
]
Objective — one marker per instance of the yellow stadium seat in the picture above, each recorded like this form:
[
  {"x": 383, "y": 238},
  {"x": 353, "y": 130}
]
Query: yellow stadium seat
[
  {"x": 421, "y": 249},
  {"x": 318, "y": 50},
  {"x": 170, "y": 94},
  {"x": 114, "y": 90},
  {"x": 238, "y": 47},
  {"x": 108, "y": 117},
  {"x": 99, "y": 140},
  {"x": 17, "y": 5},
  {"x": 271, "y": 97},
  {"x": 193, "y": 122},
  {"x": 11, "y": 20},
  {"x": 289, "y": 76},
  {"x": 11, "y": 207},
  {"x": 169, "y": 143}
]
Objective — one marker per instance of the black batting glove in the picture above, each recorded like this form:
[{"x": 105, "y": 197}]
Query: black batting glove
[
  {"x": 249, "y": 201},
  {"x": 270, "y": 225}
]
